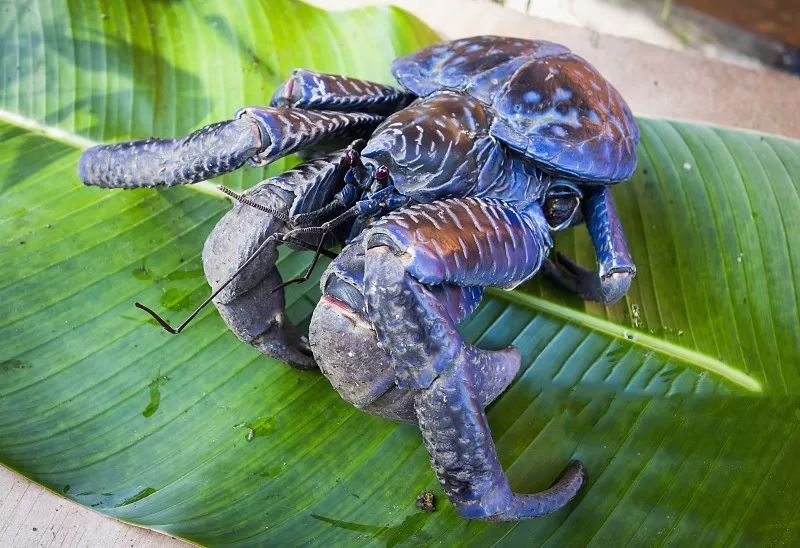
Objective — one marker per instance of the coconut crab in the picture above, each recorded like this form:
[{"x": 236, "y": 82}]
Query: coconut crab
[{"x": 488, "y": 146}]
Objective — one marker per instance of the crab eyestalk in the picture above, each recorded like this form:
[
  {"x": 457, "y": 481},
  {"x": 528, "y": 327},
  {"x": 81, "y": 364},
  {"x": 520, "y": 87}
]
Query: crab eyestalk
[
  {"x": 359, "y": 175},
  {"x": 367, "y": 175}
]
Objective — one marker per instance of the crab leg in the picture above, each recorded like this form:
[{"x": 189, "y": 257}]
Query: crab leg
[
  {"x": 615, "y": 267},
  {"x": 259, "y": 135},
  {"x": 463, "y": 455},
  {"x": 315, "y": 90},
  {"x": 465, "y": 242}
]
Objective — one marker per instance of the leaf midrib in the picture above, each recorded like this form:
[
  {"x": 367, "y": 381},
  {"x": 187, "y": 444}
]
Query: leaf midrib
[{"x": 631, "y": 336}]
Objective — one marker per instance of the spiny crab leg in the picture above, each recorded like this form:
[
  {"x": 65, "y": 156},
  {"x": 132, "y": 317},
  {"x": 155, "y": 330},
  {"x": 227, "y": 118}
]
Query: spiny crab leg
[{"x": 259, "y": 135}]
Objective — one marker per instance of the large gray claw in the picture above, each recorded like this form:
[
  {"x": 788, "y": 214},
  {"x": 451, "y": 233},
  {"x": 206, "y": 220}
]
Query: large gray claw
[{"x": 257, "y": 317}]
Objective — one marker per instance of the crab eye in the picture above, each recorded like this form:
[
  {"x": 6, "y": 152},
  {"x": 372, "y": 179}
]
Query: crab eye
[
  {"x": 351, "y": 157},
  {"x": 382, "y": 173},
  {"x": 560, "y": 209}
]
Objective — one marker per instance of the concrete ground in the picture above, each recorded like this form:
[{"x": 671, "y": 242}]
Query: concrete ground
[
  {"x": 655, "y": 80},
  {"x": 30, "y": 515}
]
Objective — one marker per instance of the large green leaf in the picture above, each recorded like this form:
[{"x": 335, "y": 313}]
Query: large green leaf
[{"x": 682, "y": 400}]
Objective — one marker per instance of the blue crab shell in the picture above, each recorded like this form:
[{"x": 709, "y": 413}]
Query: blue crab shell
[{"x": 548, "y": 103}]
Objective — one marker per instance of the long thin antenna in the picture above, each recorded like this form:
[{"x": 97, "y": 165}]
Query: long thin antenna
[
  {"x": 247, "y": 201},
  {"x": 324, "y": 229},
  {"x": 309, "y": 270},
  {"x": 167, "y": 327}
]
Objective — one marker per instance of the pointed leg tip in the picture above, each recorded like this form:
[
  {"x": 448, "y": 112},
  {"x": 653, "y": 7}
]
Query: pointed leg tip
[{"x": 576, "y": 471}]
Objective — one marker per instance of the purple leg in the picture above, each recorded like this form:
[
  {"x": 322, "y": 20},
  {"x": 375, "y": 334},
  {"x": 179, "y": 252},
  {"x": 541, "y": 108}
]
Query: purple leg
[
  {"x": 258, "y": 135},
  {"x": 466, "y": 242},
  {"x": 315, "y": 90},
  {"x": 615, "y": 267},
  {"x": 463, "y": 455}
]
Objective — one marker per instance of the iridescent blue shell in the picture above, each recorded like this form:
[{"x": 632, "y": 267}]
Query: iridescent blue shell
[{"x": 548, "y": 103}]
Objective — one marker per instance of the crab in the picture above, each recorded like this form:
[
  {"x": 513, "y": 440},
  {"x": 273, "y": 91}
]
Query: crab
[{"x": 435, "y": 190}]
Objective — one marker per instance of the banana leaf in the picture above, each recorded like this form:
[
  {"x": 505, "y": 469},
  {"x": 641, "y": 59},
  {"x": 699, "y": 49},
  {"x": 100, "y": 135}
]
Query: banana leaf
[{"x": 682, "y": 400}]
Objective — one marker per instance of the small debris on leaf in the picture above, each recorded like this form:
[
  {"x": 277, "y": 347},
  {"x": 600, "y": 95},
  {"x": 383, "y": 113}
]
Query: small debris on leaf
[
  {"x": 426, "y": 501},
  {"x": 636, "y": 315}
]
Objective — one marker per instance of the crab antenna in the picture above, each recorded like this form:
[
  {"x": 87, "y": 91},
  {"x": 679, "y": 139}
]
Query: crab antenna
[
  {"x": 176, "y": 330},
  {"x": 247, "y": 201},
  {"x": 324, "y": 229},
  {"x": 309, "y": 270}
]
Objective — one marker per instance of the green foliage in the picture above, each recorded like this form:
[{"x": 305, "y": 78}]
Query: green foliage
[{"x": 682, "y": 400}]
